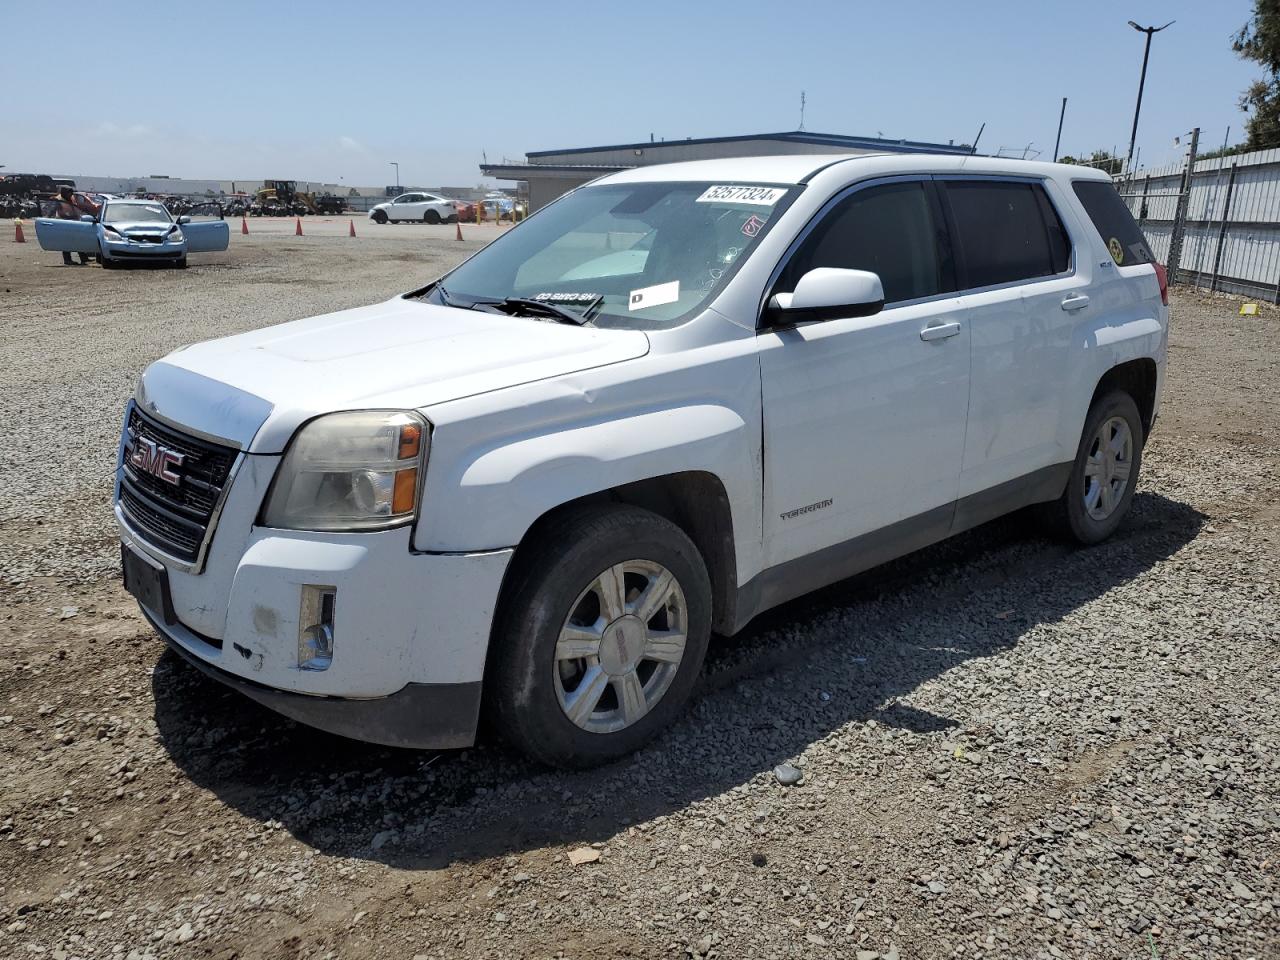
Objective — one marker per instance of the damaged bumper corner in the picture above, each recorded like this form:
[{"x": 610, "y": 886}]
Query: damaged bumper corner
[{"x": 435, "y": 716}]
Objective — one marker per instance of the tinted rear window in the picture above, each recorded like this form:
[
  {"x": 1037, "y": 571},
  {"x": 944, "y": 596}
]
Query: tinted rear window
[
  {"x": 1114, "y": 222},
  {"x": 1002, "y": 231}
]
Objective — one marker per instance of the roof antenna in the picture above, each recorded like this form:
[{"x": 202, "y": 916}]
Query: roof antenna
[
  {"x": 974, "y": 148},
  {"x": 801, "y": 127}
]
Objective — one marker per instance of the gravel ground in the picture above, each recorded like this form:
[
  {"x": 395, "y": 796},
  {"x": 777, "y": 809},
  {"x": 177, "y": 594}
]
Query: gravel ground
[{"x": 1008, "y": 748}]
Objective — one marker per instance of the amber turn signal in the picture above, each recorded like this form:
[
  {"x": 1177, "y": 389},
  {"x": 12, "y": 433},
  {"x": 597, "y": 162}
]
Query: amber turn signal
[
  {"x": 406, "y": 490},
  {"x": 410, "y": 441}
]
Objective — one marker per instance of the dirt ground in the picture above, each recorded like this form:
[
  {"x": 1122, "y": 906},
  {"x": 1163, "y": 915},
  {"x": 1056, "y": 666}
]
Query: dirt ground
[{"x": 1010, "y": 748}]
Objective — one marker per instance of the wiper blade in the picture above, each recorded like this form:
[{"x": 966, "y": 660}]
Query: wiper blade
[
  {"x": 546, "y": 308},
  {"x": 541, "y": 307}
]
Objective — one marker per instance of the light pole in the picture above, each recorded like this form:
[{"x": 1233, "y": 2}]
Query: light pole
[
  {"x": 1141, "y": 83},
  {"x": 397, "y": 166}
]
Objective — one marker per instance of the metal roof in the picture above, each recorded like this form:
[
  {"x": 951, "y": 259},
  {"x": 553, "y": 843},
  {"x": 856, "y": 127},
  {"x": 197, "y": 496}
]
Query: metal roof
[{"x": 788, "y": 136}]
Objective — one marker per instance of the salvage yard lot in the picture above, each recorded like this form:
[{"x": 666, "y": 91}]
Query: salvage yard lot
[{"x": 1011, "y": 748}]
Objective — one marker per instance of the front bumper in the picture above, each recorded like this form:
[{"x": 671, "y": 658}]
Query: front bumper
[
  {"x": 410, "y": 630},
  {"x": 436, "y": 716},
  {"x": 136, "y": 250}
]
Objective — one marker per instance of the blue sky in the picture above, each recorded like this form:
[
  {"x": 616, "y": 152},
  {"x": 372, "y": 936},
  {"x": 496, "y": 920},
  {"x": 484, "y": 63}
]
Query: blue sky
[{"x": 342, "y": 89}]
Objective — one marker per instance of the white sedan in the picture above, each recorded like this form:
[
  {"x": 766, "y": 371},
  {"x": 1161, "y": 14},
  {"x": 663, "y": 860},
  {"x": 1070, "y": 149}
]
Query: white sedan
[{"x": 416, "y": 208}]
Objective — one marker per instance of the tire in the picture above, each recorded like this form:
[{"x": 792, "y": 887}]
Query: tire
[
  {"x": 432, "y": 217},
  {"x": 1086, "y": 516},
  {"x": 107, "y": 263},
  {"x": 181, "y": 263},
  {"x": 379, "y": 216},
  {"x": 558, "y": 580}
]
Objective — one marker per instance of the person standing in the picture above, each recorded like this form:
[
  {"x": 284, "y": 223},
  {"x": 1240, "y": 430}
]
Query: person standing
[{"x": 72, "y": 206}]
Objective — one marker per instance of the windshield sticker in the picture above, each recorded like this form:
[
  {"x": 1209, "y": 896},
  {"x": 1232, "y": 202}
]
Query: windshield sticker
[
  {"x": 654, "y": 296},
  {"x": 577, "y": 299},
  {"x": 753, "y": 226},
  {"x": 1117, "y": 251},
  {"x": 759, "y": 196}
]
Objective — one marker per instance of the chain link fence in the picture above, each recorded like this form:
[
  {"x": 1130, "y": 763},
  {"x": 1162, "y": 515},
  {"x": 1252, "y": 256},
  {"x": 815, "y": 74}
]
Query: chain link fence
[{"x": 1214, "y": 223}]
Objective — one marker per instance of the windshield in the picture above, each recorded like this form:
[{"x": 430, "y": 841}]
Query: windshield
[
  {"x": 135, "y": 213},
  {"x": 638, "y": 255}
]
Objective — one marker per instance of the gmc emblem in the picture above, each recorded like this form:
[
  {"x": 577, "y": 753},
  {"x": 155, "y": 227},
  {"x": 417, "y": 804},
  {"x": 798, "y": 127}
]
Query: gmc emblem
[{"x": 155, "y": 459}]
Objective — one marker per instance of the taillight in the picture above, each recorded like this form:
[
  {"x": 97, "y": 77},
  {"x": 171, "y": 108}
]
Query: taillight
[{"x": 1163, "y": 276}]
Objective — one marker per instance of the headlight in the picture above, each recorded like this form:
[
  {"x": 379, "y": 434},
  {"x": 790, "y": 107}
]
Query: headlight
[
  {"x": 350, "y": 471},
  {"x": 175, "y": 236},
  {"x": 112, "y": 234}
]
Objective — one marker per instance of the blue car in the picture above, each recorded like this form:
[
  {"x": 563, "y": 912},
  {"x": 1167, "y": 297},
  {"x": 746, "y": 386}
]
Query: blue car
[{"x": 133, "y": 231}]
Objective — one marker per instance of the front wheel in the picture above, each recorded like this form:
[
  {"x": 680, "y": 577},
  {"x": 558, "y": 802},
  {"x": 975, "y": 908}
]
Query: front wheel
[
  {"x": 181, "y": 263},
  {"x": 379, "y": 216},
  {"x": 602, "y": 636},
  {"x": 1105, "y": 472}
]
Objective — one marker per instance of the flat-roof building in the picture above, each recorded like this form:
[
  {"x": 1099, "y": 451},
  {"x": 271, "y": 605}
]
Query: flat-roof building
[{"x": 551, "y": 173}]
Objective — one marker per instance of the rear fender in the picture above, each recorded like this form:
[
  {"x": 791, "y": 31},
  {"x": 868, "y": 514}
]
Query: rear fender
[{"x": 1104, "y": 347}]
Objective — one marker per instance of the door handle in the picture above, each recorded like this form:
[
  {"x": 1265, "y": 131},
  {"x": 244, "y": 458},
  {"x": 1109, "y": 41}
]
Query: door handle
[
  {"x": 939, "y": 331},
  {"x": 1075, "y": 302}
]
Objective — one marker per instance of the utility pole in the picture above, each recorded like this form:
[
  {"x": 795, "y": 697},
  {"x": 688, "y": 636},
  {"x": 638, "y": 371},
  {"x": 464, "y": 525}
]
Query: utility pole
[
  {"x": 801, "y": 109},
  {"x": 1142, "y": 81},
  {"x": 1062, "y": 116},
  {"x": 1180, "y": 211},
  {"x": 397, "y": 166}
]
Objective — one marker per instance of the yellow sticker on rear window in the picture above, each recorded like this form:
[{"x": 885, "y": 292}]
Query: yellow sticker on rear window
[{"x": 1117, "y": 251}]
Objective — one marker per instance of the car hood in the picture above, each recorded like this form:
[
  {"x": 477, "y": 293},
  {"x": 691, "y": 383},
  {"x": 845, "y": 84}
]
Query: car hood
[
  {"x": 139, "y": 226},
  {"x": 256, "y": 388}
]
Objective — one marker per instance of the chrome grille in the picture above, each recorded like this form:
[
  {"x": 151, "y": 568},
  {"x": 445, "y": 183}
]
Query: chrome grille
[{"x": 175, "y": 518}]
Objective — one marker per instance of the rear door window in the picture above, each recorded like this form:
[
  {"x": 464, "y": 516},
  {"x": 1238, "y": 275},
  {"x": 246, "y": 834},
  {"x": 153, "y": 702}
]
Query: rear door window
[
  {"x": 1114, "y": 222},
  {"x": 1005, "y": 232},
  {"x": 890, "y": 230}
]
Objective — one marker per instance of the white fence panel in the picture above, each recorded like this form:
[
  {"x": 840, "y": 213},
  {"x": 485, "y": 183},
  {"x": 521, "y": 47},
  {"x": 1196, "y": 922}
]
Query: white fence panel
[{"x": 1249, "y": 261}]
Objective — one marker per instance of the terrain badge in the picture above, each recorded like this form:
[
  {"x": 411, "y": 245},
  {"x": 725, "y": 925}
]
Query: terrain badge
[{"x": 1117, "y": 251}]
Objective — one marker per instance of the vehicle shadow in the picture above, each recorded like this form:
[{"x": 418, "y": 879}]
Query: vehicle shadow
[{"x": 843, "y": 655}]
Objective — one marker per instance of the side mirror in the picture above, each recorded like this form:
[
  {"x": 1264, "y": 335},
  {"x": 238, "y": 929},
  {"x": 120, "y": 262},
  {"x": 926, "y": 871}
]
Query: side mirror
[
  {"x": 828, "y": 293},
  {"x": 182, "y": 220},
  {"x": 88, "y": 218}
]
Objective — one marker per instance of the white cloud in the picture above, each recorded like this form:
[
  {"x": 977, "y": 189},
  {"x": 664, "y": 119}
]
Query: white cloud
[{"x": 351, "y": 145}]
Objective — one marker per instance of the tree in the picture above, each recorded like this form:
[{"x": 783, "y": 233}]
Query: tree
[
  {"x": 1259, "y": 40},
  {"x": 1103, "y": 160}
]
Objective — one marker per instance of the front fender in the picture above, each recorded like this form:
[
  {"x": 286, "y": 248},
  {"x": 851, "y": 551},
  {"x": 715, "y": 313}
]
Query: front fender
[{"x": 489, "y": 497}]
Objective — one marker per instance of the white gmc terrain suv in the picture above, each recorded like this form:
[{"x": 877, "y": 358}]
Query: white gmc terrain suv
[{"x": 672, "y": 399}]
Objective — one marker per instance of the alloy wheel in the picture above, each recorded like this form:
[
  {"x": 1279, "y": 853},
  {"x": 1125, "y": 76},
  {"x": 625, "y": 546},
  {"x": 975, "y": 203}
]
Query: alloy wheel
[
  {"x": 1107, "y": 469},
  {"x": 621, "y": 646}
]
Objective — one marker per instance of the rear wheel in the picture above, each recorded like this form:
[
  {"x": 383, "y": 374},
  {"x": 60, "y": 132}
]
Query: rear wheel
[
  {"x": 602, "y": 636},
  {"x": 1105, "y": 472},
  {"x": 432, "y": 217}
]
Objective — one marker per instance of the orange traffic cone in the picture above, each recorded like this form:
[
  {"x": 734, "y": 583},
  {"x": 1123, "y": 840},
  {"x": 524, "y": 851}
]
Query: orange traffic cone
[
  {"x": 353, "y": 228},
  {"x": 297, "y": 230},
  {"x": 17, "y": 231},
  {"x": 244, "y": 225},
  {"x": 458, "y": 225}
]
